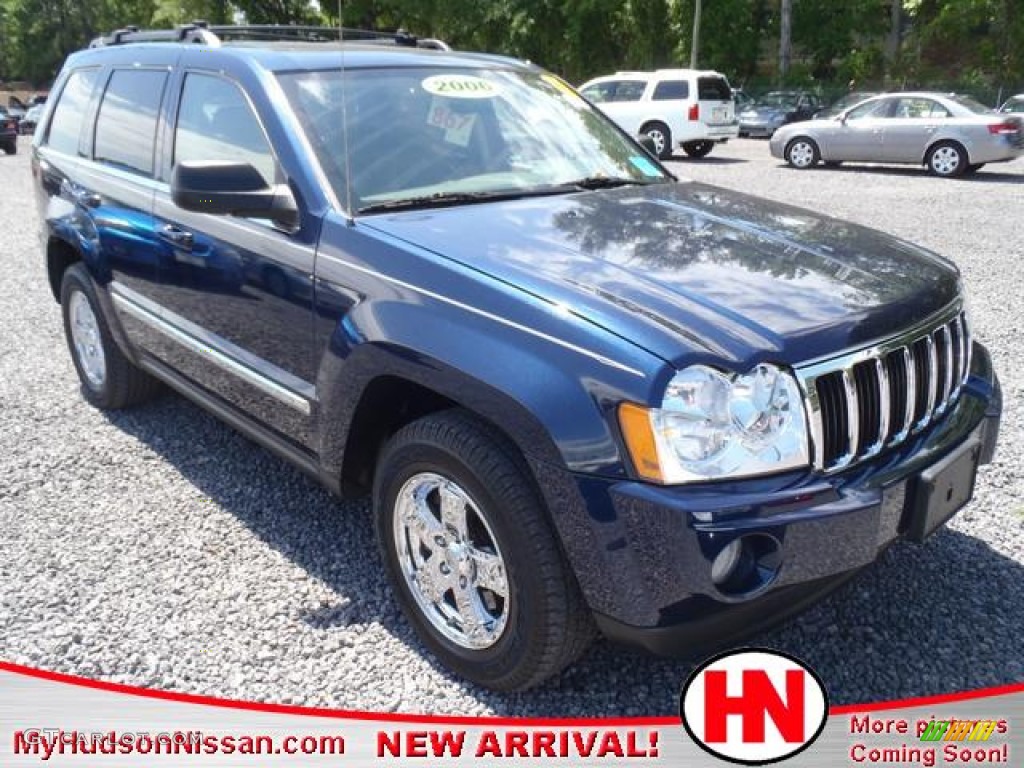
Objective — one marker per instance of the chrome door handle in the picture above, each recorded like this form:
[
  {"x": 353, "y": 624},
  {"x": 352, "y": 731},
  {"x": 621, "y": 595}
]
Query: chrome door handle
[
  {"x": 80, "y": 195},
  {"x": 178, "y": 237}
]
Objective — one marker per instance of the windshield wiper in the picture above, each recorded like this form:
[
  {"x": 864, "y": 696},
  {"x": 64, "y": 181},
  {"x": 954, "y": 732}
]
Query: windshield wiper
[
  {"x": 605, "y": 182},
  {"x": 443, "y": 199}
]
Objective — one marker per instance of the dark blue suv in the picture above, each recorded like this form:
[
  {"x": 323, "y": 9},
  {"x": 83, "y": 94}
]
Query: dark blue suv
[{"x": 582, "y": 394}]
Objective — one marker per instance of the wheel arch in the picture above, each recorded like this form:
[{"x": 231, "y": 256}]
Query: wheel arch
[
  {"x": 60, "y": 255},
  {"x": 945, "y": 140},
  {"x": 386, "y": 391}
]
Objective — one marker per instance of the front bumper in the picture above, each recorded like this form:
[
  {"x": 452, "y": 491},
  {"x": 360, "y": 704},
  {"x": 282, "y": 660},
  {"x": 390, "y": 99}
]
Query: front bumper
[
  {"x": 653, "y": 585},
  {"x": 758, "y": 129}
]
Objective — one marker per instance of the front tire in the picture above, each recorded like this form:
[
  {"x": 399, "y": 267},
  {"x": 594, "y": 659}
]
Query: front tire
[
  {"x": 698, "y": 148},
  {"x": 109, "y": 379},
  {"x": 11, "y": 148},
  {"x": 802, "y": 153},
  {"x": 662, "y": 138},
  {"x": 472, "y": 556},
  {"x": 947, "y": 159}
]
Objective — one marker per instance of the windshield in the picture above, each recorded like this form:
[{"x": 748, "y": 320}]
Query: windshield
[
  {"x": 777, "y": 100},
  {"x": 417, "y": 135},
  {"x": 1016, "y": 104}
]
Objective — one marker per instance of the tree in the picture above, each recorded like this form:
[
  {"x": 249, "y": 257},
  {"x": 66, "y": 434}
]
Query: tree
[{"x": 785, "y": 37}]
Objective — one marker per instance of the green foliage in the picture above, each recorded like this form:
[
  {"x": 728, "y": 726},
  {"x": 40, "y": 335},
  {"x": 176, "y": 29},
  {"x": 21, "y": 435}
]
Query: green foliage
[{"x": 978, "y": 44}]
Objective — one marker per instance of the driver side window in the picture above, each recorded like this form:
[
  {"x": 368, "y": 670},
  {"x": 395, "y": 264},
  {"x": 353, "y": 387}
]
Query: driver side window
[
  {"x": 871, "y": 109},
  {"x": 216, "y": 122}
]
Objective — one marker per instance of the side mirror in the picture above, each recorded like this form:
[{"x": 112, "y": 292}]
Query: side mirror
[
  {"x": 218, "y": 187},
  {"x": 647, "y": 143}
]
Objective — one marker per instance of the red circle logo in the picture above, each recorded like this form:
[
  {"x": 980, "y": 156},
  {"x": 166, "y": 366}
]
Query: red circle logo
[{"x": 753, "y": 706}]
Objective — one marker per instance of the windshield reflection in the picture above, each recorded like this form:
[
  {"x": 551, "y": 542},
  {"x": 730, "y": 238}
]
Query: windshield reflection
[{"x": 417, "y": 135}]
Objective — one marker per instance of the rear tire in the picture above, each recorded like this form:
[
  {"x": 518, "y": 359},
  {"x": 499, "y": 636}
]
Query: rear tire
[
  {"x": 109, "y": 379},
  {"x": 698, "y": 148},
  {"x": 11, "y": 148},
  {"x": 947, "y": 159},
  {"x": 662, "y": 138},
  {"x": 802, "y": 153},
  {"x": 472, "y": 557}
]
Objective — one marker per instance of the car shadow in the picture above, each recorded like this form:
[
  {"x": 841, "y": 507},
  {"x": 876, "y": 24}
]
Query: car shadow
[
  {"x": 986, "y": 174},
  {"x": 708, "y": 160},
  {"x": 923, "y": 620}
]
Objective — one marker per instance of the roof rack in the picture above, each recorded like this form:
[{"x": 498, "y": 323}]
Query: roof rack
[{"x": 204, "y": 34}]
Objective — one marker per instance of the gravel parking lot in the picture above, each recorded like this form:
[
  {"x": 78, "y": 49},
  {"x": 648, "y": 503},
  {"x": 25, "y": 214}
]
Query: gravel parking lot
[{"x": 158, "y": 548}]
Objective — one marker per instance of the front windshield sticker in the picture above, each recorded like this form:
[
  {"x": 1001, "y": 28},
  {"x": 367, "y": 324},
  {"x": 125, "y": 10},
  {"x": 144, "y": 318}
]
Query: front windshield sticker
[
  {"x": 644, "y": 165},
  {"x": 457, "y": 126},
  {"x": 565, "y": 89},
  {"x": 460, "y": 87}
]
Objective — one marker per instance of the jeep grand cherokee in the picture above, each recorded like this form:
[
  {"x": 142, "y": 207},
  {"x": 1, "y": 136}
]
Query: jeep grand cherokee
[{"x": 581, "y": 394}]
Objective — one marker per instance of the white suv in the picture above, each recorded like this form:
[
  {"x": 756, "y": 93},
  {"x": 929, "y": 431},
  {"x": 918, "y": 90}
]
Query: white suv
[{"x": 689, "y": 108}]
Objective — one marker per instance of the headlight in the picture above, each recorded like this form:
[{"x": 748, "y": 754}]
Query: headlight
[{"x": 713, "y": 425}]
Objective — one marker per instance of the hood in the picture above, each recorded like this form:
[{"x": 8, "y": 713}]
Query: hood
[{"x": 694, "y": 273}]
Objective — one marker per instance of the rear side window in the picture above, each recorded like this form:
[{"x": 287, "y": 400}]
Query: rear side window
[
  {"x": 66, "y": 126},
  {"x": 713, "y": 89},
  {"x": 126, "y": 125},
  {"x": 671, "y": 90},
  {"x": 616, "y": 90},
  {"x": 216, "y": 122}
]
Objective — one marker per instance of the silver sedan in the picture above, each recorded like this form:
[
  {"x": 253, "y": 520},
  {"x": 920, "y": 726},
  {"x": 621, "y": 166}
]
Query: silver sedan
[{"x": 950, "y": 134}]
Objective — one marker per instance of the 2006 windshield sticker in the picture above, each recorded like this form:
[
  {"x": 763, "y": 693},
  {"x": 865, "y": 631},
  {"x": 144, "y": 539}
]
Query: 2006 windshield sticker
[{"x": 460, "y": 87}]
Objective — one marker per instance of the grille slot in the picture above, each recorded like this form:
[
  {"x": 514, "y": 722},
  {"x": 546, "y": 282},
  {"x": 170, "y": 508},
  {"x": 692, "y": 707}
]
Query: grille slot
[{"x": 874, "y": 399}]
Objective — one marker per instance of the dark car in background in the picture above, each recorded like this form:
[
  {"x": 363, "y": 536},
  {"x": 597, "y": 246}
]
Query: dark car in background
[
  {"x": 770, "y": 112},
  {"x": 31, "y": 119},
  {"x": 8, "y": 132},
  {"x": 581, "y": 394},
  {"x": 1013, "y": 105}
]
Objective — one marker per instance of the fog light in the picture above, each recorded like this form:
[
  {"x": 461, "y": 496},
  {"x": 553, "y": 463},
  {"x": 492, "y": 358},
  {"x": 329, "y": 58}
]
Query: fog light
[{"x": 724, "y": 564}]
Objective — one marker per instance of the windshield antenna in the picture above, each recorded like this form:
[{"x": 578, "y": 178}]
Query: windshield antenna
[{"x": 344, "y": 117}]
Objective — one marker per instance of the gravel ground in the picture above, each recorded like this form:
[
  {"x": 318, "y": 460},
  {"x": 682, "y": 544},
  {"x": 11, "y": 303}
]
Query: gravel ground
[{"x": 158, "y": 548}]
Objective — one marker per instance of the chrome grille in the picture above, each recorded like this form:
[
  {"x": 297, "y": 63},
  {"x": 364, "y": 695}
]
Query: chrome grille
[{"x": 875, "y": 398}]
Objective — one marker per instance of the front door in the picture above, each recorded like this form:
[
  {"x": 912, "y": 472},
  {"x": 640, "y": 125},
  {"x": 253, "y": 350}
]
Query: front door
[
  {"x": 858, "y": 137},
  {"x": 236, "y": 294}
]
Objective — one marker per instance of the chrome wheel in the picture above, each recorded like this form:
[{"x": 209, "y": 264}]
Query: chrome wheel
[
  {"x": 802, "y": 154},
  {"x": 946, "y": 160},
  {"x": 85, "y": 334},
  {"x": 661, "y": 138},
  {"x": 450, "y": 560}
]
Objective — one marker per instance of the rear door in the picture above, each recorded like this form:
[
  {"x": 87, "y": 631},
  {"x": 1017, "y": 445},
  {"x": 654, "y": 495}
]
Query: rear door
[
  {"x": 717, "y": 107},
  {"x": 95, "y": 163},
  {"x": 911, "y": 128}
]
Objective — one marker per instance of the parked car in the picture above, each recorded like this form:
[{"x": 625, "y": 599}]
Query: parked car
[
  {"x": 580, "y": 394},
  {"x": 741, "y": 98},
  {"x": 843, "y": 103},
  {"x": 8, "y": 132},
  {"x": 15, "y": 107},
  {"x": 951, "y": 135},
  {"x": 1013, "y": 105},
  {"x": 31, "y": 119},
  {"x": 687, "y": 108},
  {"x": 773, "y": 110}
]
